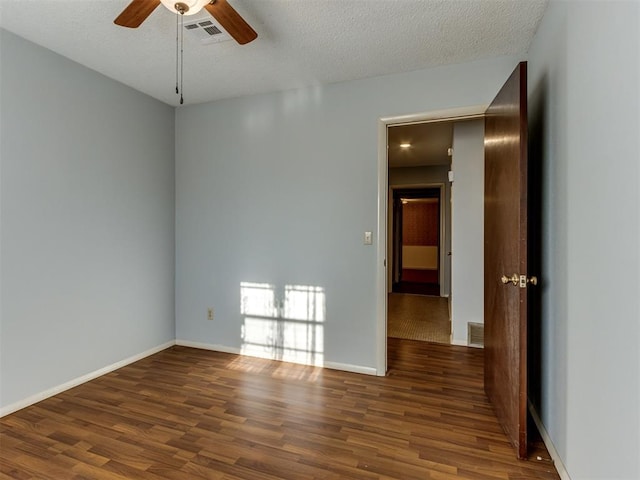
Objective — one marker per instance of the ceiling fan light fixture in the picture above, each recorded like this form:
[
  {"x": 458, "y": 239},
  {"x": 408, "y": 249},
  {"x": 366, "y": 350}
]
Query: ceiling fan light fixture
[{"x": 185, "y": 7}]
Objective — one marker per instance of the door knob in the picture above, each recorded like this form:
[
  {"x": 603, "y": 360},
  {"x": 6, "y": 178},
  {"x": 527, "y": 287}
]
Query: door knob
[
  {"x": 533, "y": 280},
  {"x": 512, "y": 279},
  {"x": 521, "y": 280}
]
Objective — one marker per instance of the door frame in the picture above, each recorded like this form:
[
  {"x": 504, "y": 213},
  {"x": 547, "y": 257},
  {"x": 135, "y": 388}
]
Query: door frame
[{"x": 462, "y": 113}]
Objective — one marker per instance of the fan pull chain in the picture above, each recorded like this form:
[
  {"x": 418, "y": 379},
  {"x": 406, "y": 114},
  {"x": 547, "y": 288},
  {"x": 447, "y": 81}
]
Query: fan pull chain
[
  {"x": 177, "y": 54},
  {"x": 181, "y": 56}
]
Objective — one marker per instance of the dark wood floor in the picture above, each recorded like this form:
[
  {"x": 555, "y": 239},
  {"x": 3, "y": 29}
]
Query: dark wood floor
[
  {"x": 189, "y": 414},
  {"x": 420, "y": 282},
  {"x": 417, "y": 288}
]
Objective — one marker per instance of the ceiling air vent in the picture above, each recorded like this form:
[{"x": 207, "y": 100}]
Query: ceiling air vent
[
  {"x": 212, "y": 30},
  {"x": 475, "y": 335},
  {"x": 206, "y": 31}
]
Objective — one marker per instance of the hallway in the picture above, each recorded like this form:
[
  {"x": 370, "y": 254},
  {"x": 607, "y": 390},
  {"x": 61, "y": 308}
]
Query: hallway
[{"x": 418, "y": 317}]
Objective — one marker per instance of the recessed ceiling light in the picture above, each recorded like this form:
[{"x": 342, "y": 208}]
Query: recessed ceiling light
[{"x": 405, "y": 145}]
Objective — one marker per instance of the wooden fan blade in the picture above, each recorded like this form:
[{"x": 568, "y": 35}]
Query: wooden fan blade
[
  {"x": 231, "y": 21},
  {"x": 136, "y": 13}
]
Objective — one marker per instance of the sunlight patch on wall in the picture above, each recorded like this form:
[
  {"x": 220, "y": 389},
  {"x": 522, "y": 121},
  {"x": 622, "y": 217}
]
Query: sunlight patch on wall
[
  {"x": 258, "y": 299},
  {"x": 286, "y": 327},
  {"x": 304, "y": 303}
]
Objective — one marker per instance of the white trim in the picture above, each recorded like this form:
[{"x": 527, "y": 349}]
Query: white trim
[
  {"x": 381, "y": 258},
  {"x": 209, "y": 346},
  {"x": 383, "y": 186},
  {"x": 464, "y": 343},
  {"x": 38, "y": 397},
  {"x": 346, "y": 367},
  {"x": 555, "y": 456},
  {"x": 460, "y": 113}
]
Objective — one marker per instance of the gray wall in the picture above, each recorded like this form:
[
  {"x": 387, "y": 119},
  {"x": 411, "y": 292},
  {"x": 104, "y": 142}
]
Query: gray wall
[
  {"x": 279, "y": 188},
  {"x": 87, "y": 210},
  {"x": 584, "y": 84},
  {"x": 467, "y": 228}
]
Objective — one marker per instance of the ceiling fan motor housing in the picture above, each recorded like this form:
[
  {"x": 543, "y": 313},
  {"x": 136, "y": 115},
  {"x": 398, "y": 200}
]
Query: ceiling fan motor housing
[{"x": 185, "y": 7}]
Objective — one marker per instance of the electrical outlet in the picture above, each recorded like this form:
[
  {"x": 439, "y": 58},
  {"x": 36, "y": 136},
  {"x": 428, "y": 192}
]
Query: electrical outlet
[{"x": 210, "y": 313}]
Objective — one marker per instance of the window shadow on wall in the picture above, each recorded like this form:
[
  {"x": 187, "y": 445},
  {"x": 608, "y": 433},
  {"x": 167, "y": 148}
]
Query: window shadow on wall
[{"x": 283, "y": 324}]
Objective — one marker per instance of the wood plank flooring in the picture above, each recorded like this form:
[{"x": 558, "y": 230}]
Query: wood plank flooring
[{"x": 194, "y": 414}]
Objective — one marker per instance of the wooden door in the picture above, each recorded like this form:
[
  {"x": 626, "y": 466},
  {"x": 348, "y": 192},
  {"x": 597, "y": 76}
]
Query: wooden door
[{"x": 505, "y": 243}]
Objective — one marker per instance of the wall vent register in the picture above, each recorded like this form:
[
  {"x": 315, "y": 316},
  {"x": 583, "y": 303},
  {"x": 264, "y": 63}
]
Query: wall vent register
[{"x": 475, "y": 334}]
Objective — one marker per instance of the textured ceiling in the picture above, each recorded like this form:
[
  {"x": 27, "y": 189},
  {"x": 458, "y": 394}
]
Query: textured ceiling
[{"x": 300, "y": 42}]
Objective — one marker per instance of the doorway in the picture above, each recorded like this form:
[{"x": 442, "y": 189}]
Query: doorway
[
  {"x": 416, "y": 240},
  {"x": 385, "y": 204},
  {"x": 504, "y": 247},
  {"x": 415, "y": 308},
  {"x": 420, "y": 229}
]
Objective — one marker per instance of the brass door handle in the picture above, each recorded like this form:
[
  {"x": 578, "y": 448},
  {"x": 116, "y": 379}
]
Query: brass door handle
[
  {"x": 512, "y": 279},
  {"x": 521, "y": 280}
]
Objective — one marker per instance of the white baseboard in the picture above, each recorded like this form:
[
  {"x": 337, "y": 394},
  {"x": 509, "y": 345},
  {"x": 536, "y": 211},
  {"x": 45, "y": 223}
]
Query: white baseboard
[
  {"x": 464, "y": 343},
  {"x": 38, "y": 397},
  {"x": 345, "y": 367},
  {"x": 208, "y": 346},
  {"x": 555, "y": 456}
]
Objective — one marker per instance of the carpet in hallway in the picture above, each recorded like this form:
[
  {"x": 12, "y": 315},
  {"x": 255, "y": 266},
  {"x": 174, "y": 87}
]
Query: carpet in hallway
[{"x": 418, "y": 317}]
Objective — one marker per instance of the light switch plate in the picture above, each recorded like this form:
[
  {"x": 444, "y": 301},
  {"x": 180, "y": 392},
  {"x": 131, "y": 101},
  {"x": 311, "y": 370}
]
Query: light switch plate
[{"x": 368, "y": 238}]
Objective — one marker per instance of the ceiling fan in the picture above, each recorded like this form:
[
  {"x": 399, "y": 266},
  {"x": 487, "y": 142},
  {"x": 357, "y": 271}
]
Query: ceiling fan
[{"x": 138, "y": 10}]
